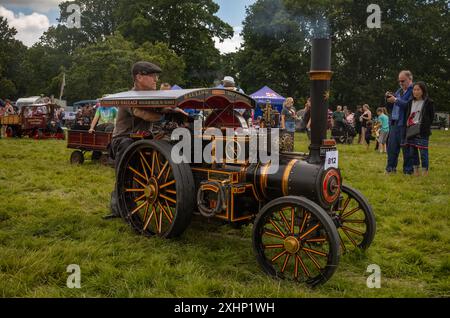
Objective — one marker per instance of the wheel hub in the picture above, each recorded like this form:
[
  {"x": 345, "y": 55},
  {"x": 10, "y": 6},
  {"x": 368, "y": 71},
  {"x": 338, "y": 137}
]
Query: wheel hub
[
  {"x": 291, "y": 244},
  {"x": 151, "y": 191}
]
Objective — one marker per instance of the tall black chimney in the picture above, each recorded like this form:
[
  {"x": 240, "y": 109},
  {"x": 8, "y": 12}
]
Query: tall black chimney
[{"x": 320, "y": 76}]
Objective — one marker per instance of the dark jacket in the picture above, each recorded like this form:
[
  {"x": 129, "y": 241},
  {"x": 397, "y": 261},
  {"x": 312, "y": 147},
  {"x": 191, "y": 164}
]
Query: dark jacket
[{"x": 427, "y": 116}]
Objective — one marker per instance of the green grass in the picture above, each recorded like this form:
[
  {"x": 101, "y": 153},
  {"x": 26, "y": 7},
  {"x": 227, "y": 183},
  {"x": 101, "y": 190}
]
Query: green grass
[{"x": 50, "y": 217}]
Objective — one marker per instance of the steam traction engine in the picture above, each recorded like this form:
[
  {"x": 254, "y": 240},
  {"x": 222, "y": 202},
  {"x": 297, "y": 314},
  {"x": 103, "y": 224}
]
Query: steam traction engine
[{"x": 302, "y": 214}]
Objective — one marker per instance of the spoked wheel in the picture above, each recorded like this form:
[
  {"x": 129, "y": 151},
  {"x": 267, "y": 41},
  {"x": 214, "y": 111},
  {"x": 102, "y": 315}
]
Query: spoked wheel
[
  {"x": 356, "y": 220},
  {"x": 9, "y": 132},
  {"x": 77, "y": 158},
  {"x": 155, "y": 194},
  {"x": 294, "y": 238}
]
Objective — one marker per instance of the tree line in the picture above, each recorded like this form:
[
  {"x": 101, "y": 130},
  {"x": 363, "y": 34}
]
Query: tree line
[{"x": 179, "y": 35}]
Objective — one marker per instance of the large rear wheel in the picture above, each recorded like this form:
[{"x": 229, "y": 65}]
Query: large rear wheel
[
  {"x": 155, "y": 195},
  {"x": 294, "y": 238}
]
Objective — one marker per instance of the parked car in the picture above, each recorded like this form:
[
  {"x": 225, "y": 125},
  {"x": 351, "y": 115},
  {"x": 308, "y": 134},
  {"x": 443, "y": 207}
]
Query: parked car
[{"x": 441, "y": 120}]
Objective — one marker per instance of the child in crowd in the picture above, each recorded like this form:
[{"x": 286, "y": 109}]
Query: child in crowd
[{"x": 383, "y": 121}]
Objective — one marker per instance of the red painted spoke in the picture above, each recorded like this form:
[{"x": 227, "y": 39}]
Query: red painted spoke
[
  {"x": 277, "y": 228},
  {"x": 145, "y": 213},
  {"x": 139, "y": 199},
  {"x": 138, "y": 181},
  {"x": 344, "y": 249},
  {"x": 349, "y": 237},
  {"x": 296, "y": 268},
  {"x": 156, "y": 219},
  {"x": 355, "y": 221},
  {"x": 138, "y": 173},
  {"x": 305, "y": 270},
  {"x": 146, "y": 162},
  {"x": 165, "y": 212},
  {"x": 147, "y": 223},
  {"x": 314, "y": 252},
  {"x": 134, "y": 190},
  {"x": 167, "y": 198},
  {"x": 292, "y": 220},
  {"x": 284, "y": 220},
  {"x": 143, "y": 169},
  {"x": 345, "y": 205},
  {"x": 168, "y": 184},
  {"x": 317, "y": 240},
  {"x": 160, "y": 221},
  {"x": 346, "y": 215},
  {"x": 169, "y": 209},
  {"x": 162, "y": 170},
  {"x": 167, "y": 174},
  {"x": 286, "y": 260},
  {"x": 272, "y": 234},
  {"x": 346, "y": 228},
  {"x": 138, "y": 208},
  {"x": 275, "y": 258},
  {"x": 315, "y": 262},
  {"x": 305, "y": 219},
  {"x": 153, "y": 163},
  {"x": 273, "y": 246},
  {"x": 315, "y": 227}
]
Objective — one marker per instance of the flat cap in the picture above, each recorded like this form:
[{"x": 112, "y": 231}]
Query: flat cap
[{"x": 145, "y": 68}]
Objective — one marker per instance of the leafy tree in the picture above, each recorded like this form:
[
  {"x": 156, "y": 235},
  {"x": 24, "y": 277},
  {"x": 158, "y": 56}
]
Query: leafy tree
[
  {"x": 104, "y": 68},
  {"x": 366, "y": 61},
  {"x": 11, "y": 53},
  {"x": 188, "y": 27}
]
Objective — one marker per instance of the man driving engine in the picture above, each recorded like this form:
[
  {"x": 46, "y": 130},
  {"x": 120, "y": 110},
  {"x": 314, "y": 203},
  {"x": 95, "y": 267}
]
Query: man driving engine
[{"x": 134, "y": 120}]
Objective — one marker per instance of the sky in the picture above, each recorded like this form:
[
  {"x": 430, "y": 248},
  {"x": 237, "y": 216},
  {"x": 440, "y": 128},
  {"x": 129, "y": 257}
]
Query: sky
[{"x": 31, "y": 18}]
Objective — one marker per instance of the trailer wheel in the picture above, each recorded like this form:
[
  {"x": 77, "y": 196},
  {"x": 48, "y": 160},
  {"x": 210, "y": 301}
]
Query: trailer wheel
[
  {"x": 355, "y": 220},
  {"x": 155, "y": 195},
  {"x": 77, "y": 158},
  {"x": 294, "y": 238},
  {"x": 9, "y": 132},
  {"x": 96, "y": 155}
]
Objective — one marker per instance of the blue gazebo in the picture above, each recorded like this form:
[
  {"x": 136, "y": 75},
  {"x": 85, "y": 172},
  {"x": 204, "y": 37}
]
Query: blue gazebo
[
  {"x": 267, "y": 94},
  {"x": 176, "y": 88}
]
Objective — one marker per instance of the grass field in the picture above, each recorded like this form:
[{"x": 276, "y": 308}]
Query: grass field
[{"x": 50, "y": 217}]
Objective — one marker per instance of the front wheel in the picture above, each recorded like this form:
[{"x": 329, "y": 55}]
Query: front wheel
[
  {"x": 294, "y": 238},
  {"x": 355, "y": 219}
]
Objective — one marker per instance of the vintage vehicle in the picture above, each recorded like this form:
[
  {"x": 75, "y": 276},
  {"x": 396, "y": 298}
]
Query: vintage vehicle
[
  {"x": 97, "y": 142},
  {"x": 441, "y": 120},
  {"x": 36, "y": 121},
  {"x": 303, "y": 215},
  {"x": 28, "y": 101}
]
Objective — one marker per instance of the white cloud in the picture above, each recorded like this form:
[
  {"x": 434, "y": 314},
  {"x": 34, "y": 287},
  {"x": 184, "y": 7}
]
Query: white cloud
[
  {"x": 39, "y": 6},
  {"x": 230, "y": 45},
  {"x": 29, "y": 27}
]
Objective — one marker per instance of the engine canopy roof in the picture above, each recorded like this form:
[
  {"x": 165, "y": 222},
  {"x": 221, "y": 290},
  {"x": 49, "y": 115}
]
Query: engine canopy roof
[{"x": 201, "y": 98}]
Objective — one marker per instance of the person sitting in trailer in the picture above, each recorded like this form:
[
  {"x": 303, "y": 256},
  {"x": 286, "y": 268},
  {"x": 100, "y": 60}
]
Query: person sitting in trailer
[
  {"x": 84, "y": 118},
  {"x": 9, "y": 109},
  {"x": 104, "y": 120}
]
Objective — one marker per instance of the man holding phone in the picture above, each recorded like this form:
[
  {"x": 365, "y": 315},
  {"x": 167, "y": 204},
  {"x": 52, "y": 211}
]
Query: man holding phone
[{"x": 396, "y": 104}]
